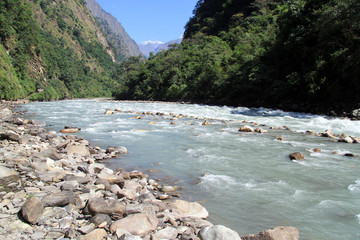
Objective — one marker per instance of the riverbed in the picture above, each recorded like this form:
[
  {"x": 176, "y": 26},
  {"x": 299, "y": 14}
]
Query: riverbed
[{"x": 245, "y": 180}]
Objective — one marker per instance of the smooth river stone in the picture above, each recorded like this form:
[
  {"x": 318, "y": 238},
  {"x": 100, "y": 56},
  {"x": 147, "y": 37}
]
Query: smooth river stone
[
  {"x": 136, "y": 224},
  {"x": 189, "y": 209},
  {"x": 109, "y": 206},
  {"x": 32, "y": 210}
]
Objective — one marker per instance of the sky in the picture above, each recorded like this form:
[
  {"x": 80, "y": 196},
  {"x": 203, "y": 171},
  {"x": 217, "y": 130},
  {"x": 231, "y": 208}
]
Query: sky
[{"x": 156, "y": 20}]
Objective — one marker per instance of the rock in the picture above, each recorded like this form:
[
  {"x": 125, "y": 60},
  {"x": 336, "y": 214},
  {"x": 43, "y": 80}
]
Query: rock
[
  {"x": 109, "y": 206},
  {"x": 6, "y": 172},
  {"x": 116, "y": 150},
  {"x": 218, "y": 232},
  {"x": 296, "y": 156},
  {"x": 278, "y": 233},
  {"x": 127, "y": 193},
  {"x": 206, "y": 123},
  {"x": 49, "y": 153},
  {"x": 100, "y": 219},
  {"x": 346, "y": 139},
  {"x": 167, "y": 188},
  {"x": 108, "y": 112},
  {"x": 312, "y": 133},
  {"x": 260, "y": 130},
  {"x": 316, "y": 150},
  {"x": 246, "y": 128},
  {"x": 132, "y": 185},
  {"x": 78, "y": 149},
  {"x": 166, "y": 233},
  {"x": 136, "y": 174},
  {"x": 328, "y": 134},
  {"x": 11, "y": 136},
  {"x": 59, "y": 199},
  {"x": 97, "y": 234},
  {"x": 189, "y": 209},
  {"x": 136, "y": 224},
  {"x": 349, "y": 155},
  {"x": 70, "y": 130},
  {"x": 196, "y": 222},
  {"x": 32, "y": 210}
]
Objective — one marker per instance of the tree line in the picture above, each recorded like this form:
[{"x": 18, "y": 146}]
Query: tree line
[{"x": 294, "y": 54}]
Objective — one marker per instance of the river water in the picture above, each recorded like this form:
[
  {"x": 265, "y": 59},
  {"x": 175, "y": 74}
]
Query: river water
[{"x": 245, "y": 180}]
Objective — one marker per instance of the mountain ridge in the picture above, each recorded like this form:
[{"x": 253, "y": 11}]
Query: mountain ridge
[{"x": 124, "y": 45}]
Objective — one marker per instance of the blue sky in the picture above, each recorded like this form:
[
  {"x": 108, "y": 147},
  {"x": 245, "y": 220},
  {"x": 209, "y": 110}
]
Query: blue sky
[{"x": 156, "y": 20}]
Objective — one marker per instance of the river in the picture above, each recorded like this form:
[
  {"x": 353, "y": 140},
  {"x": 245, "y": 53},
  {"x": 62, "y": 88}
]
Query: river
[{"x": 245, "y": 180}]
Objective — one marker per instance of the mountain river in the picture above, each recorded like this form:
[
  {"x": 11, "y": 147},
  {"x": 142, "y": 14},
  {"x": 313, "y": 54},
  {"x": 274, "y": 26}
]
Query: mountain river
[{"x": 245, "y": 180}]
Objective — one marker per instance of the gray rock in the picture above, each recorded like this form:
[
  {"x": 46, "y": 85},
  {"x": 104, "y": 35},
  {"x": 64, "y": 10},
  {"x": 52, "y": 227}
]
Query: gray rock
[
  {"x": 99, "y": 219},
  {"x": 80, "y": 180},
  {"x": 6, "y": 172},
  {"x": 166, "y": 233},
  {"x": 109, "y": 206},
  {"x": 32, "y": 210},
  {"x": 218, "y": 232},
  {"x": 59, "y": 199}
]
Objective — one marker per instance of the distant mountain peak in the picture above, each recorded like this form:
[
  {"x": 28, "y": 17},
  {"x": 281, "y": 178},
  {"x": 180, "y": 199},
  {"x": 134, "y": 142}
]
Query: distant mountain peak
[
  {"x": 151, "y": 42},
  {"x": 149, "y": 46}
]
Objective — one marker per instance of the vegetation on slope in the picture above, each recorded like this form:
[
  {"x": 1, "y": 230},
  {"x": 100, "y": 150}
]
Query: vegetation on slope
[
  {"x": 292, "y": 54},
  {"x": 53, "y": 50}
]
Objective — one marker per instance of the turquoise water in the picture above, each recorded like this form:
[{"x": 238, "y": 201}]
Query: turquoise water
[{"x": 245, "y": 180}]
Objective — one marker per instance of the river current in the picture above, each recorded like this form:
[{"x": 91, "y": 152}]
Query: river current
[{"x": 245, "y": 180}]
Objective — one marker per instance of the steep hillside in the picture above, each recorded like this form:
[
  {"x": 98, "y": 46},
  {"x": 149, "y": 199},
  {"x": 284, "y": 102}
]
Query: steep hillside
[
  {"x": 53, "y": 50},
  {"x": 296, "y": 55},
  {"x": 115, "y": 33}
]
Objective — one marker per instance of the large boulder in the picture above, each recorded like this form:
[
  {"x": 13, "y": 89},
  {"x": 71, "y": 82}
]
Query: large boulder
[
  {"x": 32, "y": 210},
  {"x": 136, "y": 224},
  {"x": 278, "y": 233},
  {"x": 108, "y": 206},
  {"x": 59, "y": 199},
  {"x": 218, "y": 232},
  {"x": 189, "y": 209}
]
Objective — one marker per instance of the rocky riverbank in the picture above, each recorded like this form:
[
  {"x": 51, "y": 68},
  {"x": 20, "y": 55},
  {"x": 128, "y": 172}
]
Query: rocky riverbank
[{"x": 55, "y": 186}]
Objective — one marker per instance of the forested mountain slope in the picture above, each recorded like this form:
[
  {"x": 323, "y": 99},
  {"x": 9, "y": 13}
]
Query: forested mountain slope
[
  {"x": 114, "y": 31},
  {"x": 52, "y": 50},
  {"x": 297, "y": 55}
]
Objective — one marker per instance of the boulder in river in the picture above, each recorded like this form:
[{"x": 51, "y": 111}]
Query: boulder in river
[
  {"x": 246, "y": 128},
  {"x": 296, "y": 156},
  {"x": 278, "y": 233}
]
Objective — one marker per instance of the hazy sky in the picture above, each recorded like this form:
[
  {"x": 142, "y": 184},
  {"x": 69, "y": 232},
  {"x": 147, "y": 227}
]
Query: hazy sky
[{"x": 156, "y": 20}]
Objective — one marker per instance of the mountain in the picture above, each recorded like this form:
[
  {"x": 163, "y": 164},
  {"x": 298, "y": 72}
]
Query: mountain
[
  {"x": 114, "y": 31},
  {"x": 53, "y": 50},
  {"x": 156, "y": 46},
  {"x": 147, "y": 47}
]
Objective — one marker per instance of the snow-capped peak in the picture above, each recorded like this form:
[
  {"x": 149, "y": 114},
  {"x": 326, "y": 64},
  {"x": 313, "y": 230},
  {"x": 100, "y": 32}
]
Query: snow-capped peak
[{"x": 151, "y": 42}]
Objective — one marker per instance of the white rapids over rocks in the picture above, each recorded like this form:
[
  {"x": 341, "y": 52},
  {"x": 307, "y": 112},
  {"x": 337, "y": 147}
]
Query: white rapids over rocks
[{"x": 245, "y": 180}]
